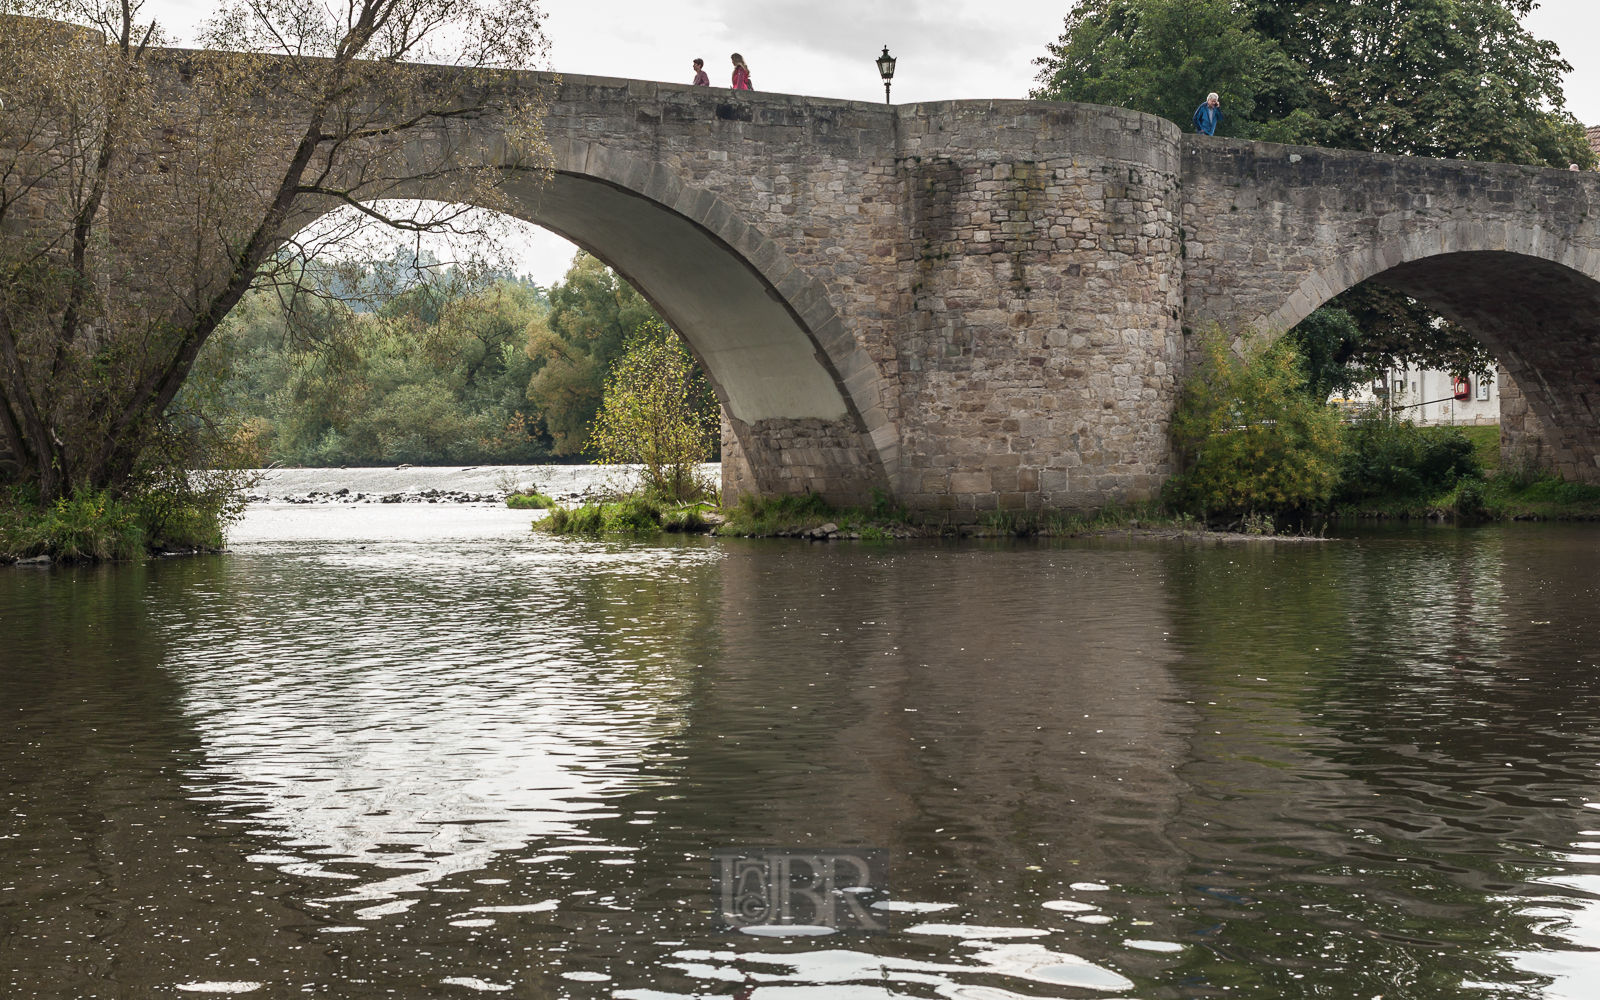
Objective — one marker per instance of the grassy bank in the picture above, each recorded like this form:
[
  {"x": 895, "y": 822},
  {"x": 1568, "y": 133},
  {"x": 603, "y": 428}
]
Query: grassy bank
[
  {"x": 639, "y": 515},
  {"x": 1485, "y": 490},
  {"x": 99, "y": 527}
]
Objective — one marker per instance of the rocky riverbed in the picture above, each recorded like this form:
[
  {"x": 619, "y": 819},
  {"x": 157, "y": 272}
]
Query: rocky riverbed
[{"x": 485, "y": 484}]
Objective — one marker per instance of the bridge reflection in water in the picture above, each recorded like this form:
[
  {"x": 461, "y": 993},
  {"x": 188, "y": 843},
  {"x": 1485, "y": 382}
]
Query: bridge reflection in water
[{"x": 1064, "y": 770}]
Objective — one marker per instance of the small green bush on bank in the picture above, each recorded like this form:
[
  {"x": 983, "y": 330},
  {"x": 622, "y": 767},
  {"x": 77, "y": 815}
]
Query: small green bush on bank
[
  {"x": 638, "y": 515},
  {"x": 529, "y": 501},
  {"x": 1394, "y": 467},
  {"x": 100, "y": 527}
]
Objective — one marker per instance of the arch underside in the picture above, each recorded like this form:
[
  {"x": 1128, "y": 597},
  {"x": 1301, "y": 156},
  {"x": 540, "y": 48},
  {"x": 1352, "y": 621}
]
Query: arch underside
[
  {"x": 1541, "y": 321},
  {"x": 793, "y": 412},
  {"x": 795, "y": 428}
]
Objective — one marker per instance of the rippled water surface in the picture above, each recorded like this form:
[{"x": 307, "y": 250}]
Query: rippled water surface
[{"x": 420, "y": 752}]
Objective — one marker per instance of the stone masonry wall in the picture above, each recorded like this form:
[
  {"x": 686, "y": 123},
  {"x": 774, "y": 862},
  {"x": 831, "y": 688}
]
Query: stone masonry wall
[{"x": 1039, "y": 331}]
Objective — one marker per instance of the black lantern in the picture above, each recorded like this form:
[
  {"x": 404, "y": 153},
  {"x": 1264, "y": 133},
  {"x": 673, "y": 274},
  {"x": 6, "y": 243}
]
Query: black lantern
[{"x": 886, "y": 70}]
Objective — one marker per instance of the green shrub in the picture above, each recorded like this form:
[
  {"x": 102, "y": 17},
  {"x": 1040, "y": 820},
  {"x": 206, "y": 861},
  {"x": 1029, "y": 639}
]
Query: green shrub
[
  {"x": 687, "y": 520},
  {"x": 529, "y": 501},
  {"x": 754, "y": 515},
  {"x": 1390, "y": 458},
  {"x": 187, "y": 511},
  {"x": 634, "y": 515},
  {"x": 585, "y": 520},
  {"x": 1471, "y": 499},
  {"x": 87, "y": 527},
  {"x": 655, "y": 414},
  {"x": 1248, "y": 436}
]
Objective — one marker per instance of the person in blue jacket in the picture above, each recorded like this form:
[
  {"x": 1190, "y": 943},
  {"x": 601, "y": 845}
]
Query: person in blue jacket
[{"x": 1208, "y": 115}]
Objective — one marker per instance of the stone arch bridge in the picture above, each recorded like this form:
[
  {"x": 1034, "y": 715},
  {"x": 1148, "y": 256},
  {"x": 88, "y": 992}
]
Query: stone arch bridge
[{"x": 975, "y": 305}]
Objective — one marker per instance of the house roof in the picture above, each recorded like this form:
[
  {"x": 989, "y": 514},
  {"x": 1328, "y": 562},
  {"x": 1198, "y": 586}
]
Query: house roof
[{"x": 1593, "y": 131}]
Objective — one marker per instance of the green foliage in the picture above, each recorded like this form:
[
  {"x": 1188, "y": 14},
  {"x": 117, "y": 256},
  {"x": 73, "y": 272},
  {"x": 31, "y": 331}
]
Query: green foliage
[
  {"x": 585, "y": 520},
  {"x": 632, "y": 515},
  {"x": 529, "y": 501},
  {"x": 1552, "y": 490},
  {"x": 762, "y": 516},
  {"x": 593, "y": 316},
  {"x": 455, "y": 369},
  {"x": 1163, "y": 57},
  {"x": 322, "y": 384},
  {"x": 88, "y": 527},
  {"x": 98, "y": 526},
  {"x": 1327, "y": 341},
  {"x": 1470, "y": 499},
  {"x": 655, "y": 415},
  {"x": 688, "y": 520},
  {"x": 1249, "y": 436},
  {"x": 1387, "y": 459},
  {"x": 1397, "y": 332},
  {"x": 1442, "y": 78}
]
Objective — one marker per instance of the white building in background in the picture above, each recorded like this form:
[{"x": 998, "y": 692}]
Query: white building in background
[{"x": 1433, "y": 398}]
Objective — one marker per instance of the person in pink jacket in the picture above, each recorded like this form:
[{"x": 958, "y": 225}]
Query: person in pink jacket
[{"x": 741, "y": 73}]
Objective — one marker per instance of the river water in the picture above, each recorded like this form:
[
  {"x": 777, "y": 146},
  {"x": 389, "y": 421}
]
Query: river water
[{"x": 416, "y": 751}]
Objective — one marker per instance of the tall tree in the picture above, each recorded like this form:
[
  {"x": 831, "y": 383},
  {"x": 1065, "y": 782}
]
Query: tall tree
[
  {"x": 1442, "y": 78},
  {"x": 1164, "y": 56},
  {"x": 289, "y": 109},
  {"x": 593, "y": 316}
]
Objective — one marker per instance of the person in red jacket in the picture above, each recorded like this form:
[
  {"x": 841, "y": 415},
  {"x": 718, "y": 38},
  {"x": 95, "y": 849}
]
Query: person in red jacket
[{"x": 741, "y": 73}]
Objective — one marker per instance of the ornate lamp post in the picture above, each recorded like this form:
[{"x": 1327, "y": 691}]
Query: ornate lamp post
[{"x": 886, "y": 70}]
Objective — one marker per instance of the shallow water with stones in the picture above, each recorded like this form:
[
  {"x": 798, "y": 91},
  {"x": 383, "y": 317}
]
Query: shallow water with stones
[{"x": 412, "y": 751}]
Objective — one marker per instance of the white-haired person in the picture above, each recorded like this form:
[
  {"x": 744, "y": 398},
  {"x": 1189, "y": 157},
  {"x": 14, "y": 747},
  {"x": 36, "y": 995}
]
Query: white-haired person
[{"x": 1208, "y": 115}]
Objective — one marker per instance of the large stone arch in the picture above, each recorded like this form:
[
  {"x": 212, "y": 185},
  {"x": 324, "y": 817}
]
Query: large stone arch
[
  {"x": 803, "y": 401},
  {"x": 1532, "y": 297},
  {"x": 805, "y": 407}
]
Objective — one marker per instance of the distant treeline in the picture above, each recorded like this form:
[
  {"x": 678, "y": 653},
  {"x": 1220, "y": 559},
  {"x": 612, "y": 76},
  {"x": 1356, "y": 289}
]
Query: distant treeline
[{"x": 437, "y": 367}]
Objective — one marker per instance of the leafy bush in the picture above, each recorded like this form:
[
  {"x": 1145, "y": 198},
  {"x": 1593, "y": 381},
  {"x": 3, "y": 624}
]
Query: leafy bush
[
  {"x": 632, "y": 515},
  {"x": 1249, "y": 437},
  {"x": 179, "y": 511},
  {"x": 655, "y": 414},
  {"x": 585, "y": 520},
  {"x": 1470, "y": 498},
  {"x": 87, "y": 527},
  {"x": 529, "y": 501},
  {"x": 687, "y": 520},
  {"x": 1384, "y": 457}
]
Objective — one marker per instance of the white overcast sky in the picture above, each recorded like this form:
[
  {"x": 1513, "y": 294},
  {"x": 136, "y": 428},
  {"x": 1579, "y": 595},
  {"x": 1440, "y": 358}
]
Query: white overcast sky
[{"x": 947, "y": 49}]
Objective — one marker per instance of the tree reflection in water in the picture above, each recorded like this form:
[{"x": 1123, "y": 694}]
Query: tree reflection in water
[{"x": 1071, "y": 769}]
